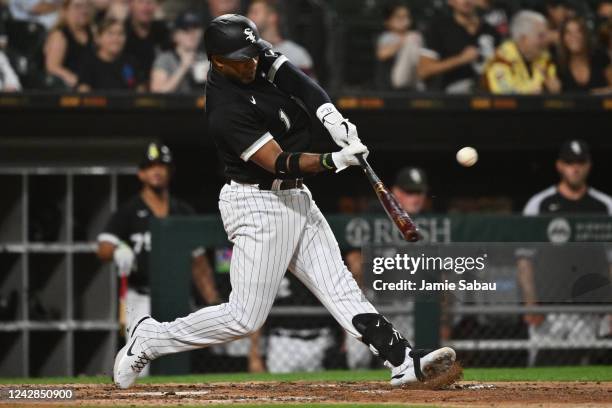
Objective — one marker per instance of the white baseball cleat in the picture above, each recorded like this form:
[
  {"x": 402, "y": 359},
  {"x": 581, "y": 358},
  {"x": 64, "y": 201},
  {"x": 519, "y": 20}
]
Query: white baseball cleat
[
  {"x": 131, "y": 359},
  {"x": 421, "y": 365}
]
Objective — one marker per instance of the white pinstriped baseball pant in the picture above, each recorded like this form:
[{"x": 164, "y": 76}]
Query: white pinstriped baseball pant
[{"x": 272, "y": 231}]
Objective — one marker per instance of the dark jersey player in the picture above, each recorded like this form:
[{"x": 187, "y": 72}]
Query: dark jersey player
[
  {"x": 572, "y": 194},
  {"x": 257, "y": 106},
  {"x": 126, "y": 239},
  {"x": 546, "y": 275}
]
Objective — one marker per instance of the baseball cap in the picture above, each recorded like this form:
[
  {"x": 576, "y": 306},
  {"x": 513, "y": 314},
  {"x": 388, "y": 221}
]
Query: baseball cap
[
  {"x": 412, "y": 179},
  {"x": 187, "y": 20},
  {"x": 156, "y": 154},
  {"x": 575, "y": 151}
]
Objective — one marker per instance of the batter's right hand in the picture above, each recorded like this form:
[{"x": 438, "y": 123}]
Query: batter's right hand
[
  {"x": 124, "y": 259},
  {"x": 348, "y": 156}
]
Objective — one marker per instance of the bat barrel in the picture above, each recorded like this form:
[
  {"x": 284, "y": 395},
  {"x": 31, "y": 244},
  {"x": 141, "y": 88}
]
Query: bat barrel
[{"x": 396, "y": 213}]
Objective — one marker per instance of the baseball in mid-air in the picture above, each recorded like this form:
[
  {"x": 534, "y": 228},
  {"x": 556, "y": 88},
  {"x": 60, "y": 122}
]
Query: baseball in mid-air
[{"x": 467, "y": 156}]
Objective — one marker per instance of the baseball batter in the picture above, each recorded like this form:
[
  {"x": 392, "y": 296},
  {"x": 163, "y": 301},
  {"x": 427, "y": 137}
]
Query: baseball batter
[{"x": 257, "y": 106}]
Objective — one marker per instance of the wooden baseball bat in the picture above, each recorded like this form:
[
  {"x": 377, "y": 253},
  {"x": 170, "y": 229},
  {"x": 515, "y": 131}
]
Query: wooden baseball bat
[{"x": 394, "y": 210}]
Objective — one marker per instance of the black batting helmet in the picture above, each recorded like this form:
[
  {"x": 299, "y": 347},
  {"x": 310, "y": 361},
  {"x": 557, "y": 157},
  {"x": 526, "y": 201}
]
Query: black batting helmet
[
  {"x": 156, "y": 154},
  {"x": 234, "y": 37}
]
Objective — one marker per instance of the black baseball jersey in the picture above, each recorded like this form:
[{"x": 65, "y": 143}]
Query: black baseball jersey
[
  {"x": 550, "y": 201},
  {"x": 130, "y": 224},
  {"x": 446, "y": 38},
  {"x": 561, "y": 270},
  {"x": 244, "y": 117}
]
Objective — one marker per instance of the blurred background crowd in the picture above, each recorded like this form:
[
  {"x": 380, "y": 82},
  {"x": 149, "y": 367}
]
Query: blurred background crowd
[{"x": 454, "y": 46}]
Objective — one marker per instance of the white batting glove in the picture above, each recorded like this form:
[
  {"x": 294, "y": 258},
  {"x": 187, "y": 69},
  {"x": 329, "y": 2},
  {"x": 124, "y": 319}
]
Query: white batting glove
[
  {"x": 348, "y": 156},
  {"x": 341, "y": 130},
  {"x": 124, "y": 259}
]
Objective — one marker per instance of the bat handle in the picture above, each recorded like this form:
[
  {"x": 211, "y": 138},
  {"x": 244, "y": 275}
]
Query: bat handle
[
  {"x": 362, "y": 161},
  {"x": 367, "y": 169}
]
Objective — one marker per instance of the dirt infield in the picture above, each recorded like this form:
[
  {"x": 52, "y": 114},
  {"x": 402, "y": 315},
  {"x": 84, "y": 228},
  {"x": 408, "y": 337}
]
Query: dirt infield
[
  {"x": 470, "y": 394},
  {"x": 506, "y": 394}
]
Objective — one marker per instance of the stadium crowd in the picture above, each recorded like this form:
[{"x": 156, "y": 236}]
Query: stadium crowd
[{"x": 455, "y": 46}]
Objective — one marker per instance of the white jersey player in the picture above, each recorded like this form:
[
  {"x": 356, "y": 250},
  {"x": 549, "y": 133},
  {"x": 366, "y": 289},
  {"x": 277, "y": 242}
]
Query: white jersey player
[{"x": 269, "y": 214}]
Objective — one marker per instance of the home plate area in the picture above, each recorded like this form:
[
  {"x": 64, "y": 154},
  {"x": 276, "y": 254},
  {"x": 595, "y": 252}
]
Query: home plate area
[{"x": 456, "y": 394}]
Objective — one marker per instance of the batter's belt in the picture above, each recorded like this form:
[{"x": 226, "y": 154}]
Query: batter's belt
[{"x": 275, "y": 185}]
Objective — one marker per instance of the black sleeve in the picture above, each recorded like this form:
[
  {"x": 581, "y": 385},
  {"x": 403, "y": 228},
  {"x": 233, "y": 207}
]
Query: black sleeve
[
  {"x": 115, "y": 230},
  {"x": 238, "y": 127},
  {"x": 290, "y": 79}
]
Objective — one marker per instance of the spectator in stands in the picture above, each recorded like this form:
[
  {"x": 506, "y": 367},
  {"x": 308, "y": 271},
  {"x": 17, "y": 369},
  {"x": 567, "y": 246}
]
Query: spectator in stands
[
  {"x": 572, "y": 195},
  {"x": 397, "y": 50},
  {"x": 68, "y": 42},
  {"x": 456, "y": 48},
  {"x": 267, "y": 17},
  {"x": 557, "y": 11},
  {"x": 183, "y": 69},
  {"x": 145, "y": 36},
  {"x": 523, "y": 65},
  {"x": 9, "y": 81},
  {"x": 495, "y": 16},
  {"x": 582, "y": 69},
  {"x": 43, "y": 12},
  {"x": 604, "y": 10},
  {"x": 108, "y": 68}
]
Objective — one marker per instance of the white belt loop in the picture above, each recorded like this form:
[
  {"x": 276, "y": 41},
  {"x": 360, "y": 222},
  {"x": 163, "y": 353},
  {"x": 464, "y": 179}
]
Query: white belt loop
[{"x": 276, "y": 185}]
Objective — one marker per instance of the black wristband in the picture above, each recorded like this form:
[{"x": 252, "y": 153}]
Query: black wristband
[
  {"x": 294, "y": 164},
  {"x": 288, "y": 165},
  {"x": 327, "y": 161},
  {"x": 281, "y": 164}
]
